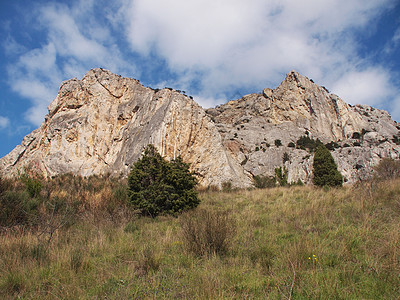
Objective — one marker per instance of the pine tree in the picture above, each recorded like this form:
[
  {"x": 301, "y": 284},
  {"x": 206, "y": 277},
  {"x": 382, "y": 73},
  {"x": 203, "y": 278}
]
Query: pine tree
[
  {"x": 325, "y": 168},
  {"x": 158, "y": 186}
]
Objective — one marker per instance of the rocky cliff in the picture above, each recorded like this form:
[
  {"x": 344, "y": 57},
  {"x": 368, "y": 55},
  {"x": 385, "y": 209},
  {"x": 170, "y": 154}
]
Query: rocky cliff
[
  {"x": 101, "y": 123},
  {"x": 259, "y": 129}
]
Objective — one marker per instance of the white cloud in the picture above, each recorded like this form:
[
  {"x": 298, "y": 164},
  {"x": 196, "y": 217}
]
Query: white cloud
[
  {"x": 11, "y": 47},
  {"x": 238, "y": 43},
  {"x": 67, "y": 37},
  {"x": 371, "y": 86},
  {"x": 4, "y": 122}
]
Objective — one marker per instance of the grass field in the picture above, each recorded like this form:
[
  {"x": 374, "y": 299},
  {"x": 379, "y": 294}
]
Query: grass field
[{"x": 279, "y": 243}]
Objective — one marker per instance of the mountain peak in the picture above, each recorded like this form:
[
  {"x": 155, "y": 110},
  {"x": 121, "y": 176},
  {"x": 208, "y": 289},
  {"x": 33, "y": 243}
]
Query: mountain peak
[{"x": 101, "y": 123}]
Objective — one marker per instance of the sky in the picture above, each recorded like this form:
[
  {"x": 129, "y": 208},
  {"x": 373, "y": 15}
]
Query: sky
[{"x": 215, "y": 50}]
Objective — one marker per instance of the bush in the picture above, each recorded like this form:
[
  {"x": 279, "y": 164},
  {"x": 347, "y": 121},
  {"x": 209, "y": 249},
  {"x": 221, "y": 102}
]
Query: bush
[
  {"x": 332, "y": 145},
  {"x": 281, "y": 176},
  {"x": 285, "y": 157},
  {"x": 5, "y": 185},
  {"x": 325, "y": 169},
  {"x": 158, "y": 186},
  {"x": 262, "y": 182},
  {"x": 356, "y": 135},
  {"x": 33, "y": 185},
  {"x": 207, "y": 232},
  {"x": 305, "y": 142},
  {"x": 227, "y": 186},
  {"x": 278, "y": 143},
  {"x": 388, "y": 168},
  {"x": 13, "y": 208},
  {"x": 396, "y": 139}
]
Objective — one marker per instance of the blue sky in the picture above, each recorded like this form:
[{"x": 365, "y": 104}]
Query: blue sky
[{"x": 215, "y": 50}]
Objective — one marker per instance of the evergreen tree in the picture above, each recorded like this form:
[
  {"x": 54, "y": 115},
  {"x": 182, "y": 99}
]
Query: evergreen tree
[
  {"x": 158, "y": 186},
  {"x": 325, "y": 168}
]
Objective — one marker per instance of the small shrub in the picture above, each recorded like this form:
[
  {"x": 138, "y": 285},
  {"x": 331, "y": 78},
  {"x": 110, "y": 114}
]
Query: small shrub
[
  {"x": 281, "y": 176},
  {"x": 147, "y": 260},
  {"x": 262, "y": 182},
  {"x": 131, "y": 227},
  {"x": 332, "y": 146},
  {"x": 32, "y": 185},
  {"x": 305, "y": 142},
  {"x": 263, "y": 256},
  {"x": 388, "y": 168},
  {"x": 121, "y": 194},
  {"x": 227, "y": 186},
  {"x": 298, "y": 183},
  {"x": 278, "y": 143},
  {"x": 291, "y": 145},
  {"x": 13, "y": 208},
  {"x": 5, "y": 185},
  {"x": 356, "y": 135},
  {"x": 285, "y": 157},
  {"x": 396, "y": 140},
  {"x": 207, "y": 232}
]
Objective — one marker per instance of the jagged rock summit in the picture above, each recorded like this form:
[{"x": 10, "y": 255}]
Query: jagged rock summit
[{"x": 101, "y": 123}]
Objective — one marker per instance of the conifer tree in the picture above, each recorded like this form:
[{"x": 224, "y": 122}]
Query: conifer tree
[
  {"x": 158, "y": 186},
  {"x": 325, "y": 168}
]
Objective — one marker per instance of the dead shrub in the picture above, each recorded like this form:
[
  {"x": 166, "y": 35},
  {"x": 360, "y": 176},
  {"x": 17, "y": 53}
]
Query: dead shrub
[
  {"x": 388, "y": 168},
  {"x": 207, "y": 232}
]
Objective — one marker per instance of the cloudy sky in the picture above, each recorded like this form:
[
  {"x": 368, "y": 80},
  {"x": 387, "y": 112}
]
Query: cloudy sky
[{"x": 215, "y": 50}]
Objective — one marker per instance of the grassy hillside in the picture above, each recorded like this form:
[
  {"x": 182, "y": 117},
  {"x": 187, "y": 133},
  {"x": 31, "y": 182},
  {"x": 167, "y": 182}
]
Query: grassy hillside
[{"x": 299, "y": 242}]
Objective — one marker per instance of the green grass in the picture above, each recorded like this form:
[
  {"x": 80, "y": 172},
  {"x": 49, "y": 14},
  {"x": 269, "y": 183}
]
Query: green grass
[{"x": 297, "y": 242}]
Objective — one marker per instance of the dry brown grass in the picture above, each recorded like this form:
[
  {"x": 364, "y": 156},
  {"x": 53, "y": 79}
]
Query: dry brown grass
[{"x": 303, "y": 242}]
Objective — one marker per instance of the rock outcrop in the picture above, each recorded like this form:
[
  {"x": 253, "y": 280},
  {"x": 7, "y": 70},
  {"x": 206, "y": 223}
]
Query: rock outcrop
[
  {"x": 259, "y": 128},
  {"x": 101, "y": 123}
]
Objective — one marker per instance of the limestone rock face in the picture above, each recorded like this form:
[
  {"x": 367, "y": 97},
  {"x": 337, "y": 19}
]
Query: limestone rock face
[
  {"x": 257, "y": 123},
  {"x": 101, "y": 123}
]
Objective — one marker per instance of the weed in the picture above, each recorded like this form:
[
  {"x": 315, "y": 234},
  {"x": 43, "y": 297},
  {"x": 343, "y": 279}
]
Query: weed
[
  {"x": 148, "y": 260},
  {"x": 76, "y": 259},
  {"x": 39, "y": 252},
  {"x": 12, "y": 284},
  {"x": 131, "y": 227},
  {"x": 207, "y": 232}
]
